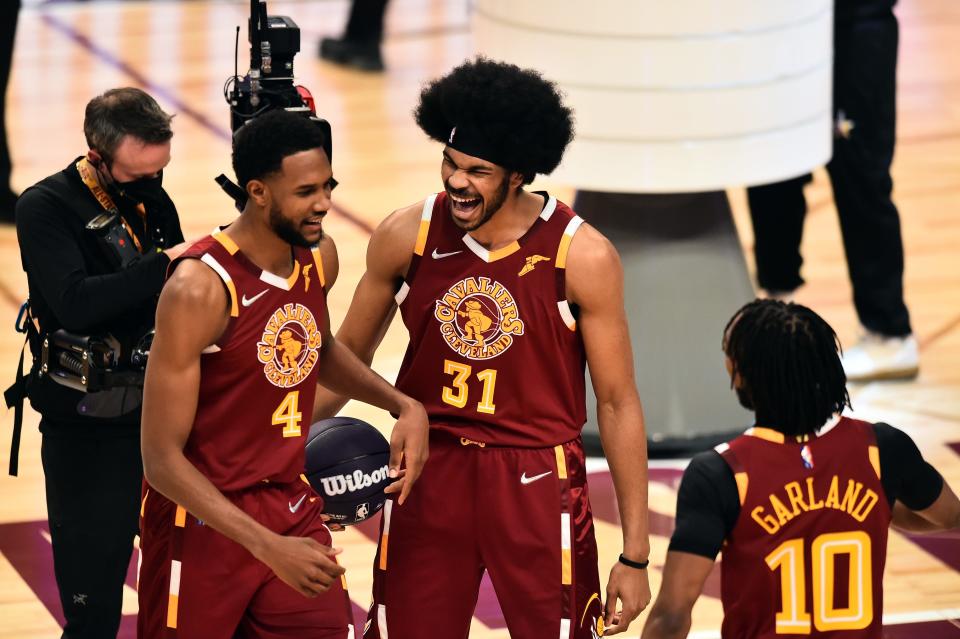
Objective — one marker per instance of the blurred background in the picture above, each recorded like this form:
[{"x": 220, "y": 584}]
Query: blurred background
[{"x": 181, "y": 52}]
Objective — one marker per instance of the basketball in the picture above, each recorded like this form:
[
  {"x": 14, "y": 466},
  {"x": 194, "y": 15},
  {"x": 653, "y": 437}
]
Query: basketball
[{"x": 346, "y": 463}]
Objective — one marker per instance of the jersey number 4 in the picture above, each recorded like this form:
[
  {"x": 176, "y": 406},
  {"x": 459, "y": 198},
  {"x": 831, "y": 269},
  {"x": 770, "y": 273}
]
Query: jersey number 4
[
  {"x": 458, "y": 394},
  {"x": 788, "y": 557},
  {"x": 288, "y": 415}
]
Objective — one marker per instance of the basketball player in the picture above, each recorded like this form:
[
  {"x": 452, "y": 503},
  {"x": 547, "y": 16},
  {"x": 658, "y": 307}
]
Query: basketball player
[
  {"x": 506, "y": 296},
  {"x": 233, "y": 541},
  {"x": 801, "y": 502}
]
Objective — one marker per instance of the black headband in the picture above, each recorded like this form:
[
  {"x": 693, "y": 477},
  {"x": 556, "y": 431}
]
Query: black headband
[{"x": 469, "y": 140}]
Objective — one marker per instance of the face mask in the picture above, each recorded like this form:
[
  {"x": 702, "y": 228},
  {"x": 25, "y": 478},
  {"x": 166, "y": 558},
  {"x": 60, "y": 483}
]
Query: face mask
[{"x": 147, "y": 190}]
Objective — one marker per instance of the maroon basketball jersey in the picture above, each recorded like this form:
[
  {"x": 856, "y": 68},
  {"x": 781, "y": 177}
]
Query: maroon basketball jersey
[
  {"x": 494, "y": 355},
  {"x": 806, "y": 555},
  {"x": 259, "y": 380}
]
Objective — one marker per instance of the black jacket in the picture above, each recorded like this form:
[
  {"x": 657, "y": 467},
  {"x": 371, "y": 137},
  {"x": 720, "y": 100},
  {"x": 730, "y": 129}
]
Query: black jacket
[{"x": 76, "y": 281}]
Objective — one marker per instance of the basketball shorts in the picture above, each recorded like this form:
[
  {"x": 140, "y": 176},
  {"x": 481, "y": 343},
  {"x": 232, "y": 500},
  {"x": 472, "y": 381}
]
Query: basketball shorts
[
  {"x": 195, "y": 583},
  {"x": 523, "y": 515}
]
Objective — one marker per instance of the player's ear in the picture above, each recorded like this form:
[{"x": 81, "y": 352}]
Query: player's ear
[
  {"x": 258, "y": 192},
  {"x": 735, "y": 380},
  {"x": 517, "y": 180}
]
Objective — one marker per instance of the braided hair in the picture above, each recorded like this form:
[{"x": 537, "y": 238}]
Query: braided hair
[{"x": 788, "y": 361}]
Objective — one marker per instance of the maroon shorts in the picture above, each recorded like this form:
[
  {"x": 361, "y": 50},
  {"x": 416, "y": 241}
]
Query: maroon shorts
[
  {"x": 196, "y": 583},
  {"x": 520, "y": 514}
]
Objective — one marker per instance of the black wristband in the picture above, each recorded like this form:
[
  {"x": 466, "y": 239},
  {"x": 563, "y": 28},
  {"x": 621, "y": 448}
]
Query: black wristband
[{"x": 639, "y": 565}]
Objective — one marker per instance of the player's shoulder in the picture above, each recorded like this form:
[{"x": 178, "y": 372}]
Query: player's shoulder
[
  {"x": 329, "y": 259},
  {"x": 405, "y": 220},
  {"x": 594, "y": 273},
  {"x": 192, "y": 282},
  {"x": 395, "y": 239},
  {"x": 709, "y": 464},
  {"x": 890, "y": 438},
  {"x": 591, "y": 250}
]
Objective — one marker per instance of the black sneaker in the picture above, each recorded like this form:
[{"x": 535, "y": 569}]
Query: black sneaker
[{"x": 364, "y": 56}]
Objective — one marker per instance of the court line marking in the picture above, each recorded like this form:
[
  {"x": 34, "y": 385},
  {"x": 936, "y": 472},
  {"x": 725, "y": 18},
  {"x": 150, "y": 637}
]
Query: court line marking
[
  {"x": 599, "y": 464},
  {"x": 941, "y": 332}
]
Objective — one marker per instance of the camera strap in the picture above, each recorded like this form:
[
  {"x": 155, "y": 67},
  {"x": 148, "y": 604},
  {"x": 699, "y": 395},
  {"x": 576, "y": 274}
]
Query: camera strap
[
  {"x": 89, "y": 176},
  {"x": 17, "y": 393}
]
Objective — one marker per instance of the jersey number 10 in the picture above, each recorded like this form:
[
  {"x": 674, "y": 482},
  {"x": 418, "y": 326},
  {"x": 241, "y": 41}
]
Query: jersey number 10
[{"x": 794, "y": 618}]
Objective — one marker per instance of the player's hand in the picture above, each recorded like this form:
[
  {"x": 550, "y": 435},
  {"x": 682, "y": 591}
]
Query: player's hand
[
  {"x": 632, "y": 587},
  {"x": 409, "y": 443},
  {"x": 303, "y": 563}
]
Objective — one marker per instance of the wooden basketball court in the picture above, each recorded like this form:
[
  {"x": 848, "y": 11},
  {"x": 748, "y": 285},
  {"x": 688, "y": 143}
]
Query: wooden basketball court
[{"x": 182, "y": 52}]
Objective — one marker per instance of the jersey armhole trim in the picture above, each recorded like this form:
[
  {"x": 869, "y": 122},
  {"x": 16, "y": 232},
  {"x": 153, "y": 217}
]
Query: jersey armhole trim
[
  {"x": 739, "y": 473},
  {"x": 572, "y": 226},
  {"x": 422, "y": 234},
  {"x": 873, "y": 453},
  {"x": 318, "y": 261},
  {"x": 424, "y": 230},
  {"x": 563, "y": 305},
  {"x": 212, "y": 262},
  {"x": 402, "y": 293}
]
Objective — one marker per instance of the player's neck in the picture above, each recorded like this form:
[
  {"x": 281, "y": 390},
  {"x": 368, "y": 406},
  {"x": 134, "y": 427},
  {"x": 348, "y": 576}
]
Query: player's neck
[
  {"x": 260, "y": 244},
  {"x": 518, "y": 213}
]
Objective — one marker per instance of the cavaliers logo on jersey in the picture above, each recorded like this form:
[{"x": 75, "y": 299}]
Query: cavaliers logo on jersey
[
  {"x": 478, "y": 318},
  {"x": 290, "y": 346}
]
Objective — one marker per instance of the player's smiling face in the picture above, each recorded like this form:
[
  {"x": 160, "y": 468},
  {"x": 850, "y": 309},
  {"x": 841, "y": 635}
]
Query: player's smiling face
[
  {"x": 476, "y": 188},
  {"x": 300, "y": 197}
]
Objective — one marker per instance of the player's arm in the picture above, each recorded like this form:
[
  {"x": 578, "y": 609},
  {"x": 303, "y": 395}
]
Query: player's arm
[
  {"x": 191, "y": 315},
  {"x": 595, "y": 284},
  {"x": 343, "y": 373},
  {"x": 707, "y": 509},
  {"x": 922, "y": 500},
  {"x": 943, "y": 514},
  {"x": 683, "y": 577},
  {"x": 373, "y": 305}
]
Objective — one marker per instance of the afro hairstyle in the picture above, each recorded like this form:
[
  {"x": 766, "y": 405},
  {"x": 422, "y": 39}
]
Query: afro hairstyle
[{"x": 517, "y": 117}]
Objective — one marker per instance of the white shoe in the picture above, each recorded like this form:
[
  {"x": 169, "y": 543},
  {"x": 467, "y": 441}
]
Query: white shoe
[{"x": 876, "y": 357}]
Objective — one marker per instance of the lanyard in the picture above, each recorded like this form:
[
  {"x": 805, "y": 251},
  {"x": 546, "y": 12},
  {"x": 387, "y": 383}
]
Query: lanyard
[{"x": 88, "y": 175}]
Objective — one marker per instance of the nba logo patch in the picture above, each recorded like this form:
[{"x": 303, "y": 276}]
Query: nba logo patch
[
  {"x": 807, "y": 456},
  {"x": 363, "y": 511}
]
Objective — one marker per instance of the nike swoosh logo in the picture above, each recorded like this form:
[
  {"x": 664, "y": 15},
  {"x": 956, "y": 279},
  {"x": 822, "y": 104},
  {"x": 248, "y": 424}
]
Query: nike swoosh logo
[
  {"x": 247, "y": 301},
  {"x": 295, "y": 507},
  {"x": 529, "y": 480},
  {"x": 440, "y": 256}
]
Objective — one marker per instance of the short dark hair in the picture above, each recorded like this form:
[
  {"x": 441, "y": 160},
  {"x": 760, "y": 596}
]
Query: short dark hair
[
  {"x": 519, "y": 116},
  {"x": 120, "y": 112},
  {"x": 260, "y": 145},
  {"x": 788, "y": 360}
]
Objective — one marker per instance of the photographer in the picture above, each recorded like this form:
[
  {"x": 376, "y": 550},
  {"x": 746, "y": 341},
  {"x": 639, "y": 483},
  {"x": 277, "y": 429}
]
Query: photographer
[{"x": 95, "y": 241}]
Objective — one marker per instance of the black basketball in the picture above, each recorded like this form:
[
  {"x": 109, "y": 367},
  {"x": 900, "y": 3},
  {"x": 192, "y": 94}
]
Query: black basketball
[{"x": 347, "y": 464}]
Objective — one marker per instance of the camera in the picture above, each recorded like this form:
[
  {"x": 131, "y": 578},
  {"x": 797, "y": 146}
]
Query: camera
[
  {"x": 269, "y": 83},
  {"x": 91, "y": 364}
]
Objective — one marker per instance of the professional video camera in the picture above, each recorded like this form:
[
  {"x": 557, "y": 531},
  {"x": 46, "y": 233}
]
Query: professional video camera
[
  {"x": 269, "y": 84},
  {"x": 91, "y": 364}
]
